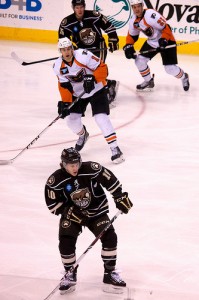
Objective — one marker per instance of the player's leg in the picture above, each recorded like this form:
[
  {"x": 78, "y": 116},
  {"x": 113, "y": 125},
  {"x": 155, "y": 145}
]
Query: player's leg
[
  {"x": 68, "y": 233},
  {"x": 169, "y": 60},
  {"x": 109, "y": 251},
  {"x": 100, "y": 110},
  {"x": 74, "y": 122},
  {"x": 141, "y": 62}
]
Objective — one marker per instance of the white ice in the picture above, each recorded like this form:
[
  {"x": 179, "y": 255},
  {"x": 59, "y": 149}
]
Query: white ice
[{"x": 158, "y": 132}]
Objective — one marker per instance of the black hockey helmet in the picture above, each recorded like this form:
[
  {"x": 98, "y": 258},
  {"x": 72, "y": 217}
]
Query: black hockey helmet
[
  {"x": 70, "y": 156},
  {"x": 78, "y": 2}
]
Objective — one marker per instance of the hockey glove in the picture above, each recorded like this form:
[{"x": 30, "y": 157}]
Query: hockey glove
[
  {"x": 63, "y": 109},
  {"x": 89, "y": 83},
  {"x": 113, "y": 44},
  {"x": 129, "y": 51},
  {"x": 162, "y": 44},
  {"x": 123, "y": 203},
  {"x": 72, "y": 213}
]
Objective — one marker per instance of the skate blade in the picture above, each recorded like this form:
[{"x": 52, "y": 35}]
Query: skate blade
[
  {"x": 112, "y": 289},
  {"x": 68, "y": 291},
  {"x": 146, "y": 90},
  {"x": 119, "y": 160}
]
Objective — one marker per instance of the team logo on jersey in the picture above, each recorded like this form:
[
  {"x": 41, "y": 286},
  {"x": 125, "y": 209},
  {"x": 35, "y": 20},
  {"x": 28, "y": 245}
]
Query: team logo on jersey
[
  {"x": 68, "y": 187},
  {"x": 81, "y": 197},
  {"x": 118, "y": 12},
  {"x": 65, "y": 223},
  {"x": 76, "y": 78},
  {"x": 51, "y": 180},
  {"x": 64, "y": 70},
  {"x": 87, "y": 36},
  {"x": 95, "y": 166}
]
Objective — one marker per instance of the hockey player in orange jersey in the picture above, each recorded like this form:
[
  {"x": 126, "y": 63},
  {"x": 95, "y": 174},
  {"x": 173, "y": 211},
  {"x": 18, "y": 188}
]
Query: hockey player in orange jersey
[
  {"x": 159, "y": 35},
  {"x": 78, "y": 71}
]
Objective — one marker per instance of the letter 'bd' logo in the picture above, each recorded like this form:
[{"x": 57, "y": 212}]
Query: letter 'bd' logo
[
  {"x": 118, "y": 12},
  {"x": 29, "y": 5}
]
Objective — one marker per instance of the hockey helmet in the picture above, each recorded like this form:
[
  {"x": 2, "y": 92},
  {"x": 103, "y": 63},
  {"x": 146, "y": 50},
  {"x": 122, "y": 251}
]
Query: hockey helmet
[
  {"x": 64, "y": 43},
  {"x": 134, "y": 2},
  {"x": 70, "y": 156},
  {"x": 78, "y": 2}
]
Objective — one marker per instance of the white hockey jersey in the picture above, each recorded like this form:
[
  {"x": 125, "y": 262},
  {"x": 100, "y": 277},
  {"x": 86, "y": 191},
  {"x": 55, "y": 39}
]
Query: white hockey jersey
[
  {"x": 84, "y": 62},
  {"x": 152, "y": 24}
]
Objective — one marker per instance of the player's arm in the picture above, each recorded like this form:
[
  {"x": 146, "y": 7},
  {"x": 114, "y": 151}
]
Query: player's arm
[
  {"x": 65, "y": 89},
  {"x": 64, "y": 29},
  {"x": 54, "y": 197},
  {"x": 110, "y": 30},
  {"x": 108, "y": 180},
  {"x": 131, "y": 39}
]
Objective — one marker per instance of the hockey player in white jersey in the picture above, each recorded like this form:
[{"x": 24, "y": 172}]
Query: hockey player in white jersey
[
  {"x": 81, "y": 71},
  {"x": 159, "y": 35}
]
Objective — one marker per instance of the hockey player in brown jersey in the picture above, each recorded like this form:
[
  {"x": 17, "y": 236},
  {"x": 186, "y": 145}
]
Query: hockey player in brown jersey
[
  {"x": 76, "y": 192},
  {"x": 159, "y": 35},
  {"x": 77, "y": 71},
  {"x": 84, "y": 28}
]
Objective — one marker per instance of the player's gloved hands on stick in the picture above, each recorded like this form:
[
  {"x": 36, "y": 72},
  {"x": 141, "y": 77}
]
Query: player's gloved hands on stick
[
  {"x": 123, "y": 203},
  {"x": 129, "y": 51},
  {"x": 72, "y": 213},
  {"x": 63, "y": 109},
  {"x": 89, "y": 83},
  {"x": 162, "y": 44},
  {"x": 113, "y": 44}
]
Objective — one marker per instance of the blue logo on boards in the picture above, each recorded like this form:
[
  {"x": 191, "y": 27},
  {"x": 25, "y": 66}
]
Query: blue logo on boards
[
  {"x": 118, "y": 12},
  {"x": 29, "y": 5}
]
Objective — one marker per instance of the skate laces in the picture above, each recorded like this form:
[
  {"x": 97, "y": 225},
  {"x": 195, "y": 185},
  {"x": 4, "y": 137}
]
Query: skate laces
[
  {"x": 67, "y": 279},
  {"x": 116, "y": 276}
]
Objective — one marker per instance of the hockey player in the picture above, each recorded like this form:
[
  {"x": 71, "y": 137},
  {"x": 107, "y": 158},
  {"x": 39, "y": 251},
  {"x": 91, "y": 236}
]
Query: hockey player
[
  {"x": 159, "y": 35},
  {"x": 78, "y": 71},
  {"x": 84, "y": 28},
  {"x": 75, "y": 191}
]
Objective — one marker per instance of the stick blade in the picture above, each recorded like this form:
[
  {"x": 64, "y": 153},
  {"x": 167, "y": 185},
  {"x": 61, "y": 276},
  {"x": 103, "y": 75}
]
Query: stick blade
[
  {"x": 6, "y": 162},
  {"x": 16, "y": 58}
]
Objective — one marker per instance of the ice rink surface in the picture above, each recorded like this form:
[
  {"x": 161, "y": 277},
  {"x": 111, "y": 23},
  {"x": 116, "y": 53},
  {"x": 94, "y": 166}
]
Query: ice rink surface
[{"x": 158, "y": 132}]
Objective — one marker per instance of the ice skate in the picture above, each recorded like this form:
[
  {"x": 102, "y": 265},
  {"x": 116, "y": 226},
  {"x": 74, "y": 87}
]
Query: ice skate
[
  {"x": 113, "y": 283},
  {"x": 185, "y": 82},
  {"x": 117, "y": 155},
  {"x": 113, "y": 86},
  {"x": 82, "y": 140},
  {"x": 146, "y": 85},
  {"x": 68, "y": 283}
]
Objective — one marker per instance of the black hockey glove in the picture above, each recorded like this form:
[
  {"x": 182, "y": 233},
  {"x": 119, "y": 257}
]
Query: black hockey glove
[
  {"x": 129, "y": 51},
  {"x": 113, "y": 44},
  {"x": 89, "y": 83},
  {"x": 63, "y": 109},
  {"x": 72, "y": 213},
  {"x": 162, "y": 44},
  {"x": 123, "y": 203}
]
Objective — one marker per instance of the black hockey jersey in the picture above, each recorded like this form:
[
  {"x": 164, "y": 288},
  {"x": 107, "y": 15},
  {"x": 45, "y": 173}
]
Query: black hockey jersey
[
  {"x": 84, "y": 191},
  {"x": 87, "y": 32}
]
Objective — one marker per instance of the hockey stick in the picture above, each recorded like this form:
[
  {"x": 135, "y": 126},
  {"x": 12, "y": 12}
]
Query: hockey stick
[
  {"x": 167, "y": 47},
  {"x": 10, "y": 161},
  {"x": 24, "y": 63},
  {"x": 85, "y": 252}
]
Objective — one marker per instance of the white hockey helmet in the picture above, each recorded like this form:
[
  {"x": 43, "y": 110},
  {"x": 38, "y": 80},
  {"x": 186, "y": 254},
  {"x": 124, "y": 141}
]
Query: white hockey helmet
[
  {"x": 64, "y": 43},
  {"x": 134, "y": 2}
]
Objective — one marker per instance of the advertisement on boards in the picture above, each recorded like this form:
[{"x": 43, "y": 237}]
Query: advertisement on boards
[{"x": 182, "y": 16}]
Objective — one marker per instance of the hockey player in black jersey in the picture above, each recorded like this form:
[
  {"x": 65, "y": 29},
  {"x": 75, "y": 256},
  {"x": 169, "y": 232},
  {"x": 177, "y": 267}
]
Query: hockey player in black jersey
[
  {"x": 84, "y": 28},
  {"x": 75, "y": 191}
]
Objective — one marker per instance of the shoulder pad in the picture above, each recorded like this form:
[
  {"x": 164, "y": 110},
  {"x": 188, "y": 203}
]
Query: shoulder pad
[
  {"x": 64, "y": 21},
  {"x": 51, "y": 180},
  {"x": 95, "y": 166}
]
